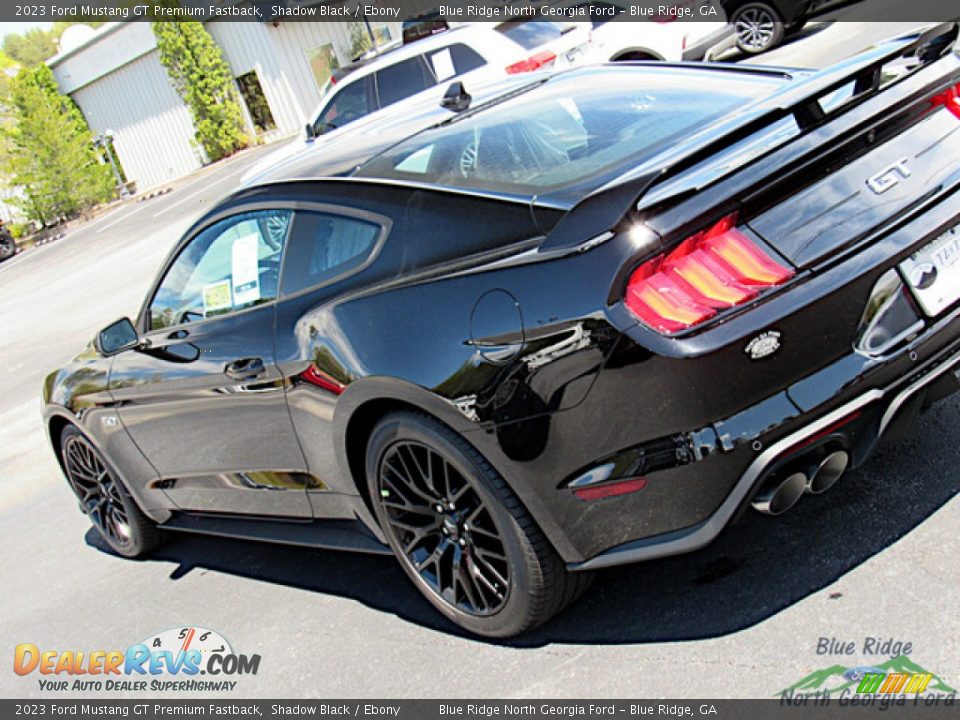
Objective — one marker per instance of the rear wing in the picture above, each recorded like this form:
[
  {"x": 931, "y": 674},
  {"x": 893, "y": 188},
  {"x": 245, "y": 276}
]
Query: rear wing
[{"x": 868, "y": 72}]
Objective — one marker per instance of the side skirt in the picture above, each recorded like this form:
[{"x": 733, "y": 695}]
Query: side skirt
[{"x": 349, "y": 535}]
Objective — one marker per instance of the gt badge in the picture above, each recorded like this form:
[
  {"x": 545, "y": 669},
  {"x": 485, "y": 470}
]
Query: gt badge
[
  {"x": 889, "y": 176},
  {"x": 763, "y": 345}
]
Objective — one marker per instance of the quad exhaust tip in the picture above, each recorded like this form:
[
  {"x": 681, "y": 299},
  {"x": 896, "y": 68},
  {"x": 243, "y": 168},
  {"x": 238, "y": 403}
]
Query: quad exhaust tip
[
  {"x": 782, "y": 491},
  {"x": 780, "y": 494},
  {"x": 826, "y": 474}
]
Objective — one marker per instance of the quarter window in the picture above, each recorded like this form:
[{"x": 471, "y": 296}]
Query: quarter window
[
  {"x": 403, "y": 79},
  {"x": 323, "y": 247},
  {"x": 457, "y": 59},
  {"x": 232, "y": 265}
]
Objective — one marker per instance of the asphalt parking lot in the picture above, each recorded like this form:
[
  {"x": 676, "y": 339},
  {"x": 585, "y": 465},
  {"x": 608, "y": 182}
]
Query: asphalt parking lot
[{"x": 874, "y": 558}]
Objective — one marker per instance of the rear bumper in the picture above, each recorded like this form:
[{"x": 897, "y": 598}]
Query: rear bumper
[{"x": 916, "y": 367}]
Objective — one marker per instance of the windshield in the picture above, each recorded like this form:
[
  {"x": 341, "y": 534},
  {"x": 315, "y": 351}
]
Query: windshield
[{"x": 576, "y": 126}]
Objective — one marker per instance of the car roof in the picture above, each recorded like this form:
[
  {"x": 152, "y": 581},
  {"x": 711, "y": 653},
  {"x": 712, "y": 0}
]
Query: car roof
[
  {"x": 352, "y": 158},
  {"x": 393, "y": 55}
]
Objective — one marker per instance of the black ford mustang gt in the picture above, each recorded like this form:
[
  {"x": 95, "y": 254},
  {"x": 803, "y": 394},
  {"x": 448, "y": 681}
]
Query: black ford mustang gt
[{"x": 584, "y": 324}]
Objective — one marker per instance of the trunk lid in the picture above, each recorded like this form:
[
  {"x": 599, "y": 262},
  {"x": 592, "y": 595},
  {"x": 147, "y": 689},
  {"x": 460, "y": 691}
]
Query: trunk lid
[{"x": 859, "y": 197}]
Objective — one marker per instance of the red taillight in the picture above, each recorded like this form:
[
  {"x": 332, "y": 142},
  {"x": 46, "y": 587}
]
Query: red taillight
[
  {"x": 950, "y": 99},
  {"x": 621, "y": 487},
  {"x": 322, "y": 380},
  {"x": 534, "y": 62},
  {"x": 715, "y": 269}
]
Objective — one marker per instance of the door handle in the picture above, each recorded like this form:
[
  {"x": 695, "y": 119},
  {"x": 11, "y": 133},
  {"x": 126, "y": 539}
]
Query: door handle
[{"x": 245, "y": 369}]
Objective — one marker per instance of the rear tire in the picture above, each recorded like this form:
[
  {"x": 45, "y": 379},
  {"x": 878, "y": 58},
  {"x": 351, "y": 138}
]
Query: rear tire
[
  {"x": 460, "y": 533},
  {"x": 104, "y": 498}
]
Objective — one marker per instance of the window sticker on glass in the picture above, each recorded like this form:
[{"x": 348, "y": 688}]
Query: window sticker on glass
[
  {"x": 216, "y": 296},
  {"x": 442, "y": 64},
  {"x": 245, "y": 270}
]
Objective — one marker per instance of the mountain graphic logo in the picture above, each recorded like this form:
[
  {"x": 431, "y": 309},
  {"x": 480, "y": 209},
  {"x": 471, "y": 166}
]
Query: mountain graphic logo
[
  {"x": 837, "y": 678},
  {"x": 923, "y": 276}
]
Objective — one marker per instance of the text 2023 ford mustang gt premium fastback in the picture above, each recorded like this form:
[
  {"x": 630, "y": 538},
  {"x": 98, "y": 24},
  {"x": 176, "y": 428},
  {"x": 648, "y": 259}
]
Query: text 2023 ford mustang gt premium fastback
[{"x": 583, "y": 324}]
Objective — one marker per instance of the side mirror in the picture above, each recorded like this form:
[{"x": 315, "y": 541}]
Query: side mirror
[
  {"x": 308, "y": 131},
  {"x": 117, "y": 337}
]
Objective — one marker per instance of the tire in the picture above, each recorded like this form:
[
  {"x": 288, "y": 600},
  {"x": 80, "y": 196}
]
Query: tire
[
  {"x": 759, "y": 28},
  {"x": 104, "y": 498},
  {"x": 8, "y": 246},
  {"x": 636, "y": 55},
  {"x": 460, "y": 533},
  {"x": 794, "y": 27}
]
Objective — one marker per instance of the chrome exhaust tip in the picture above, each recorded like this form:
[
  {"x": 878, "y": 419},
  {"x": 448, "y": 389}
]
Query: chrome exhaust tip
[
  {"x": 827, "y": 473},
  {"x": 779, "y": 495}
]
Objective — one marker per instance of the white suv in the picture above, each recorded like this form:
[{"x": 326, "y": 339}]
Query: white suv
[
  {"x": 466, "y": 52},
  {"x": 413, "y": 73},
  {"x": 664, "y": 37}
]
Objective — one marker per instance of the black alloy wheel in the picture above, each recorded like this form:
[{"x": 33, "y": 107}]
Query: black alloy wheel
[
  {"x": 460, "y": 533},
  {"x": 444, "y": 528},
  {"x": 758, "y": 27},
  {"x": 104, "y": 499}
]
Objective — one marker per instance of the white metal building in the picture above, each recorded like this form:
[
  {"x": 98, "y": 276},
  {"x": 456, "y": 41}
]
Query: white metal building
[{"x": 118, "y": 82}]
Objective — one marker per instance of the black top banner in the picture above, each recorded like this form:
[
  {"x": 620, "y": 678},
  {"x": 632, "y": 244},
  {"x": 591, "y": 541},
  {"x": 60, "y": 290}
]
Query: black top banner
[
  {"x": 661, "y": 11},
  {"x": 821, "y": 708}
]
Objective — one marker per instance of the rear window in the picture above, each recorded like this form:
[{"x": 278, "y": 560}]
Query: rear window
[
  {"x": 530, "y": 34},
  {"x": 568, "y": 130}
]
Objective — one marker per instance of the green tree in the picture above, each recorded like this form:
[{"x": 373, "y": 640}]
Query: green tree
[
  {"x": 30, "y": 48},
  {"x": 36, "y": 45},
  {"x": 50, "y": 149},
  {"x": 202, "y": 78}
]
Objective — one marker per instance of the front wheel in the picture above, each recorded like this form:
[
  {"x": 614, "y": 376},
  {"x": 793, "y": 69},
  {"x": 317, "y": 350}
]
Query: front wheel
[
  {"x": 758, "y": 27},
  {"x": 104, "y": 499},
  {"x": 460, "y": 533}
]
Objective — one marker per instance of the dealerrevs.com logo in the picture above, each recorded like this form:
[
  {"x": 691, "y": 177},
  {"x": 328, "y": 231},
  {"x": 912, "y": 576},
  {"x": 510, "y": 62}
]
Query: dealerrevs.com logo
[{"x": 186, "y": 659}]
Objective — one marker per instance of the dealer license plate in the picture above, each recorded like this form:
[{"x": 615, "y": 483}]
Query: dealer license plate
[{"x": 933, "y": 273}]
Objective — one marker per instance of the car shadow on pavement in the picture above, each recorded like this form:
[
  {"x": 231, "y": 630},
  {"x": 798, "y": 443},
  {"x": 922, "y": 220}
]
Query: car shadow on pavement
[
  {"x": 755, "y": 569},
  {"x": 808, "y": 31}
]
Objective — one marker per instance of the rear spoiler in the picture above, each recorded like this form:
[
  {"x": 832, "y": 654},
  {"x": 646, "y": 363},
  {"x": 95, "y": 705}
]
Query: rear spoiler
[{"x": 604, "y": 208}]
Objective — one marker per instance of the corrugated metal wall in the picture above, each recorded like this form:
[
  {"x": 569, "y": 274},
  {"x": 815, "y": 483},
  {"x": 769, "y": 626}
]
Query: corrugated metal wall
[
  {"x": 151, "y": 126},
  {"x": 281, "y": 57},
  {"x": 152, "y": 129}
]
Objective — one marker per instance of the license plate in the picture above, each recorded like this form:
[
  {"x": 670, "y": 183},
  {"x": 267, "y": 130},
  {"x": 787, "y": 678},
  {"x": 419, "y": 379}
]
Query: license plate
[{"x": 933, "y": 273}]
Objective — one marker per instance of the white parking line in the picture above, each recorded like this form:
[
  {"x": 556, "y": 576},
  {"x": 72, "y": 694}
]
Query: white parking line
[
  {"x": 205, "y": 188},
  {"x": 118, "y": 219}
]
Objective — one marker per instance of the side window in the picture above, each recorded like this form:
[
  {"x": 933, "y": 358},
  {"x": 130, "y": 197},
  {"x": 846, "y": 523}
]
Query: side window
[
  {"x": 403, "y": 79},
  {"x": 350, "y": 103},
  {"x": 324, "y": 246},
  {"x": 232, "y": 265}
]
